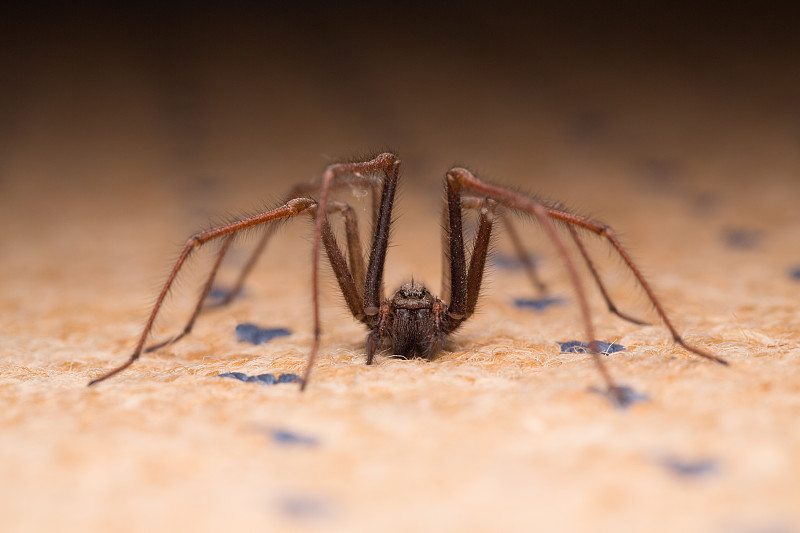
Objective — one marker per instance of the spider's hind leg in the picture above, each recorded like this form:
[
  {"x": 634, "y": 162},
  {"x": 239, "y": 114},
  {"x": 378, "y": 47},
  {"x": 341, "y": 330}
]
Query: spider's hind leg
[
  {"x": 201, "y": 301},
  {"x": 291, "y": 208},
  {"x": 536, "y": 281},
  {"x": 237, "y": 286},
  {"x": 596, "y": 275},
  {"x": 460, "y": 178},
  {"x": 608, "y": 234},
  {"x": 523, "y": 255}
]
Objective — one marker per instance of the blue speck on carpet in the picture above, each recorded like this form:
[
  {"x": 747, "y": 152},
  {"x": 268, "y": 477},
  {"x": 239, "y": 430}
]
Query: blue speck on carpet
[
  {"x": 282, "y": 436},
  {"x": 690, "y": 468},
  {"x": 510, "y": 262},
  {"x": 263, "y": 379},
  {"x": 537, "y": 304},
  {"x": 258, "y": 335},
  {"x": 742, "y": 238},
  {"x": 628, "y": 396},
  {"x": 583, "y": 347},
  {"x": 302, "y": 507}
]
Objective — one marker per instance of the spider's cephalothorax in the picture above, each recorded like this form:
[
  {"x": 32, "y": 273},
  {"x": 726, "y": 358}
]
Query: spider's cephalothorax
[{"x": 415, "y": 322}]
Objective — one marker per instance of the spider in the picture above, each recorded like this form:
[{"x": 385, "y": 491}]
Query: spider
[{"x": 413, "y": 322}]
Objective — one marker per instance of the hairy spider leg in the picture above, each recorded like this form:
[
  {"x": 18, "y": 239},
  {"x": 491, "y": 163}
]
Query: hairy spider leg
[
  {"x": 464, "y": 294},
  {"x": 237, "y": 286},
  {"x": 346, "y": 276},
  {"x": 529, "y": 266},
  {"x": 514, "y": 200},
  {"x": 354, "y": 245},
  {"x": 524, "y": 257},
  {"x": 354, "y": 251},
  {"x": 289, "y": 209},
  {"x": 485, "y": 224},
  {"x": 543, "y": 214},
  {"x": 465, "y": 283},
  {"x": 350, "y": 278},
  {"x": 389, "y": 165},
  {"x": 608, "y": 233},
  {"x": 338, "y": 263},
  {"x": 203, "y": 294},
  {"x": 522, "y": 254},
  {"x": 596, "y": 275}
]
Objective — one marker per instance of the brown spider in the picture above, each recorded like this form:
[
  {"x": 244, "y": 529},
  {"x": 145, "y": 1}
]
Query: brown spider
[{"x": 414, "y": 321}]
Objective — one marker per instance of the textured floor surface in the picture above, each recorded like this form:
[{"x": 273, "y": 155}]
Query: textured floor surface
[{"x": 119, "y": 141}]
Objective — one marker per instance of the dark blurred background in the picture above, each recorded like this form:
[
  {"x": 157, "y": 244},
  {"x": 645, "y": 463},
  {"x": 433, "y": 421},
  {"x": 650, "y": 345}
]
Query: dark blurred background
[{"x": 241, "y": 96}]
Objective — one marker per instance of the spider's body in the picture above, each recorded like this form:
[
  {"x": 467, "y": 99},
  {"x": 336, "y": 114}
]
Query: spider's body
[
  {"x": 413, "y": 321},
  {"x": 417, "y": 323}
]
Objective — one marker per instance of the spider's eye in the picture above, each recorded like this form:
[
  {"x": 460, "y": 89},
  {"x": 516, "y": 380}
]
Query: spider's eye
[{"x": 412, "y": 290}]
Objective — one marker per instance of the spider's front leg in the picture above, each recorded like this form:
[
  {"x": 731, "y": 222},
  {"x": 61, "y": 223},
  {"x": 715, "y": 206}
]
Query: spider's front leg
[
  {"x": 372, "y": 292},
  {"x": 488, "y": 210},
  {"x": 462, "y": 284}
]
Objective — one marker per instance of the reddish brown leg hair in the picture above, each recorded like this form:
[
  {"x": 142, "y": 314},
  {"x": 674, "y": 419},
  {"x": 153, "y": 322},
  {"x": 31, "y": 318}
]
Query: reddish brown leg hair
[
  {"x": 590, "y": 265},
  {"x": 351, "y": 278},
  {"x": 458, "y": 178},
  {"x": 522, "y": 254},
  {"x": 474, "y": 202},
  {"x": 389, "y": 165},
  {"x": 291, "y": 208},
  {"x": 351, "y": 224}
]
